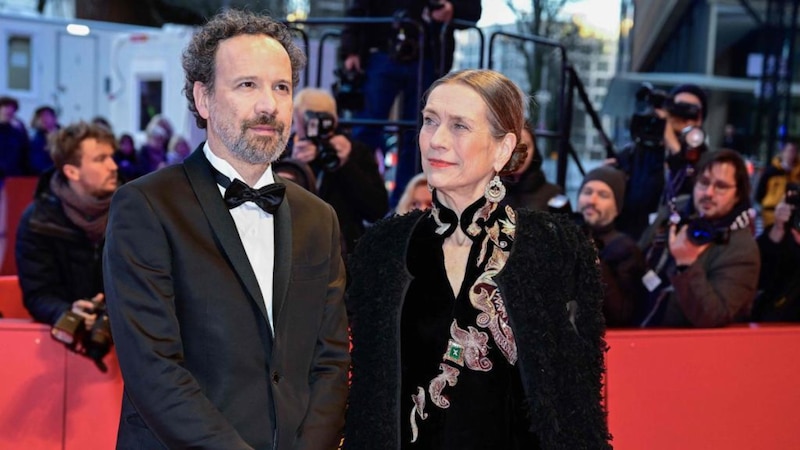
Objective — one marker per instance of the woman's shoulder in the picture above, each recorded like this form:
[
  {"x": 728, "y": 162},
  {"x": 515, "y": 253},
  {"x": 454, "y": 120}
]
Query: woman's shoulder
[
  {"x": 388, "y": 232},
  {"x": 543, "y": 222}
]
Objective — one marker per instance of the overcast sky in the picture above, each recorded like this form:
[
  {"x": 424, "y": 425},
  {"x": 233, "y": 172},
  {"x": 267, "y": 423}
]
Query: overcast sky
[{"x": 601, "y": 14}]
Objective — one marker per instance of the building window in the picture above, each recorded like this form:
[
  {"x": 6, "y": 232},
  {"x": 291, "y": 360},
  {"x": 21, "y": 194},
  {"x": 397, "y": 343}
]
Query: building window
[
  {"x": 602, "y": 66},
  {"x": 19, "y": 63}
]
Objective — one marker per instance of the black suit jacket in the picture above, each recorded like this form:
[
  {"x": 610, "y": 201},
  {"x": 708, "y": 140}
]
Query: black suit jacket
[{"x": 200, "y": 367}]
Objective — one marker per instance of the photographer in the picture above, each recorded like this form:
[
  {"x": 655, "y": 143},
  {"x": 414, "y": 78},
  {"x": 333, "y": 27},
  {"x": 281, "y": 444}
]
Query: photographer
[
  {"x": 389, "y": 56},
  {"x": 702, "y": 257},
  {"x": 346, "y": 171},
  {"x": 61, "y": 234},
  {"x": 684, "y": 138},
  {"x": 666, "y": 128},
  {"x": 779, "y": 246}
]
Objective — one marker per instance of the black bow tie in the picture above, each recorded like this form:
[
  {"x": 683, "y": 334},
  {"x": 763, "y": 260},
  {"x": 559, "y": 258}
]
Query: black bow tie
[{"x": 268, "y": 198}]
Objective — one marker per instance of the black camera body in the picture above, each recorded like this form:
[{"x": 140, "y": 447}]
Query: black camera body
[
  {"x": 647, "y": 130},
  {"x": 403, "y": 45},
  {"x": 348, "y": 90},
  {"x": 793, "y": 198},
  {"x": 95, "y": 343},
  {"x": 320, "y": 127},
  {"x": 646, "y": 127},
  {"x": 686, "y": 111},
  {"x": 701, "y": 231}
]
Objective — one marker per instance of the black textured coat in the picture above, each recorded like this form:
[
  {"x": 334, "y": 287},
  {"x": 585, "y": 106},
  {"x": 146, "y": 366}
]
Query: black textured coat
[{"x": 552, "y": 292}]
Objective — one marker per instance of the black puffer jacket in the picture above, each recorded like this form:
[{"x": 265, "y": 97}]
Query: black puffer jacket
[
  {"x": 553, "y": 296},
  {"x": 57, "y": 264}
]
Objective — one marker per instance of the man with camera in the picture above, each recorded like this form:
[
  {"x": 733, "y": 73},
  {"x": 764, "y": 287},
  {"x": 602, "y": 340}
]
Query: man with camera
[
  {"x": 346, "y": 171},
  {"x": 779, "y": 245},
  {"x": 666, "y": 128},
  {"x": 703, "y": 261},
  {"x": 61, "y": 235},
  {"x": 389, "y": 56}
]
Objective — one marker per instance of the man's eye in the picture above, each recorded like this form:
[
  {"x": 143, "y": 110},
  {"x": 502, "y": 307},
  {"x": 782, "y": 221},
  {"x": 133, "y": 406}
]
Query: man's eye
[
  {"x": 283, "y": 87},
  {"x": 427, "y": 121}
]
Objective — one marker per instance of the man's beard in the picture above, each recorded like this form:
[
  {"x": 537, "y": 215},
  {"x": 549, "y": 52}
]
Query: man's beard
[{"x": 255, "y": 149}]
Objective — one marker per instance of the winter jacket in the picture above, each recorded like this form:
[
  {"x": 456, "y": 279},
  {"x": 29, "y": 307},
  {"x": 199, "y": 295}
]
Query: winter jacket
[{"x": 56, "y": 262}]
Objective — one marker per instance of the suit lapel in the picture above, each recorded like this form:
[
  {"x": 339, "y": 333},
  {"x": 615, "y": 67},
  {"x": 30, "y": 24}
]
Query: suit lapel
[
  {"x": 199, "y": 172},
  {"x": 283, "y": 253}
]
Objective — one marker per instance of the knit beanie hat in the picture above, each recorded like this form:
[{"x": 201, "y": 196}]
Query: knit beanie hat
[
  {"x": 614, "y": 178},
  {"x": 695, "y": 90}
]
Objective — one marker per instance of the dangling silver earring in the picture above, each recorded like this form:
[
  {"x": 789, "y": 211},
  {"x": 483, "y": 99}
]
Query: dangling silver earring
[{"x": 495, "y": 190}]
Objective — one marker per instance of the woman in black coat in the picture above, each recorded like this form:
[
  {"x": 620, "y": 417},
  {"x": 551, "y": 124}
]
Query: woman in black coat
[{"x": 475, "y": 326}]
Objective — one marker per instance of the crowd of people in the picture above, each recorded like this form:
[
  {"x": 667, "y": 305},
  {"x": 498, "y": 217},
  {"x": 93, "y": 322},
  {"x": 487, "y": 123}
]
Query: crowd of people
[{"x": 236, "y": 274}]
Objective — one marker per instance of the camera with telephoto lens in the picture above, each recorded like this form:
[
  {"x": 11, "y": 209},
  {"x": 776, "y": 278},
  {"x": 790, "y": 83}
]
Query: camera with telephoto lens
[
  {"x": 94, "y": 343},
  {"x": 348, "y": 90},
  {"x": 320, "y": 127},
  {"x": 793, "y": 198}
]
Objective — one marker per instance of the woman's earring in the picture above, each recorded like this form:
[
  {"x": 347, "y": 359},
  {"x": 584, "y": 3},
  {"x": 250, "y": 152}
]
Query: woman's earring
[{"x": 495, "y": 190}]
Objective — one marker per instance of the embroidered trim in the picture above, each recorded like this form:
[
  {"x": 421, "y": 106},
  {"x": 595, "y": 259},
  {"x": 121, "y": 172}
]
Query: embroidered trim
[
  {"x": 418, "y": 409},
  {"x": 470, "y": 348},
  {"x": 475, "y": 346},
  {"x": 449, "y": 376}
]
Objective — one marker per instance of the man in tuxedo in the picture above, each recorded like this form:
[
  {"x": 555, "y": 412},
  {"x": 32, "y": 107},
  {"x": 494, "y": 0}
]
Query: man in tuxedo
[{"x": 225, "y": 296}]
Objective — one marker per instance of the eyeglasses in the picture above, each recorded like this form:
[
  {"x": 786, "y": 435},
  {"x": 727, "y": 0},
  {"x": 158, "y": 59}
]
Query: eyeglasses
[{"x": 719, "y": 186}]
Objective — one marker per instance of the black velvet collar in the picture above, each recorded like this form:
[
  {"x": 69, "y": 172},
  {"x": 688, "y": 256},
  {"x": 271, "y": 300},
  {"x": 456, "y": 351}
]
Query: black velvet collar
[{"x": 475, "y": 218}]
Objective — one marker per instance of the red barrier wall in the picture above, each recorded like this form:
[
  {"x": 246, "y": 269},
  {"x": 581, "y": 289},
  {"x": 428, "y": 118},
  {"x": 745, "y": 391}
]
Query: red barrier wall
[
  {"x": 19, "y": 194},
  {"x": 731, "y": 388},
  {"x": 51, "y": 398},
  {"x": 11, "y": 298}
]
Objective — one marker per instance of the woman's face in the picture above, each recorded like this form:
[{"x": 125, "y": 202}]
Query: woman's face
[{"x": 458, "y": 152}]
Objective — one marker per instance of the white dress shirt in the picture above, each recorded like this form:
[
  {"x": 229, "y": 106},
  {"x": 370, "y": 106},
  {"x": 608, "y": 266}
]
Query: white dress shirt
[{"x": 256, "y": 229}]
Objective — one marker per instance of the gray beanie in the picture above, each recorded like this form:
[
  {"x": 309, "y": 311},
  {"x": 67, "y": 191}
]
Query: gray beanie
[{"x": 614, "y": 178}]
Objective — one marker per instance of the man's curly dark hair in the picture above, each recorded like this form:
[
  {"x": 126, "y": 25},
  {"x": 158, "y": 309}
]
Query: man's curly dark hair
[{"x": 199, "y": 58}]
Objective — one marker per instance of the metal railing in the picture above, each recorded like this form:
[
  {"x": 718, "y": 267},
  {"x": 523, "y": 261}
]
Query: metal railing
[
  {"x": 569, "y": 81},
  {"x": 568, "y": 84}
]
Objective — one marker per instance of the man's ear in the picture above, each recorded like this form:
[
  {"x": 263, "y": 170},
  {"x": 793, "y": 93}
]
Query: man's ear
[
  {"x": 71, "y": 172},
  {"x": 201, "y": 99},
  {"x": 504, "y": 151}
]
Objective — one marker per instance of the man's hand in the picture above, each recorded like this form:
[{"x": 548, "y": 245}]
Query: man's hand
[
  {"x": 304, "y": 150},
  {"x": 82, "y": 308},
  {"x": 671, "y": 141},
  {"x": 681, "y": 248},
  {"x": 353, "y": 62},
  {"x": 443, "y": 14},
  {"x": 343, "y": 147}
]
